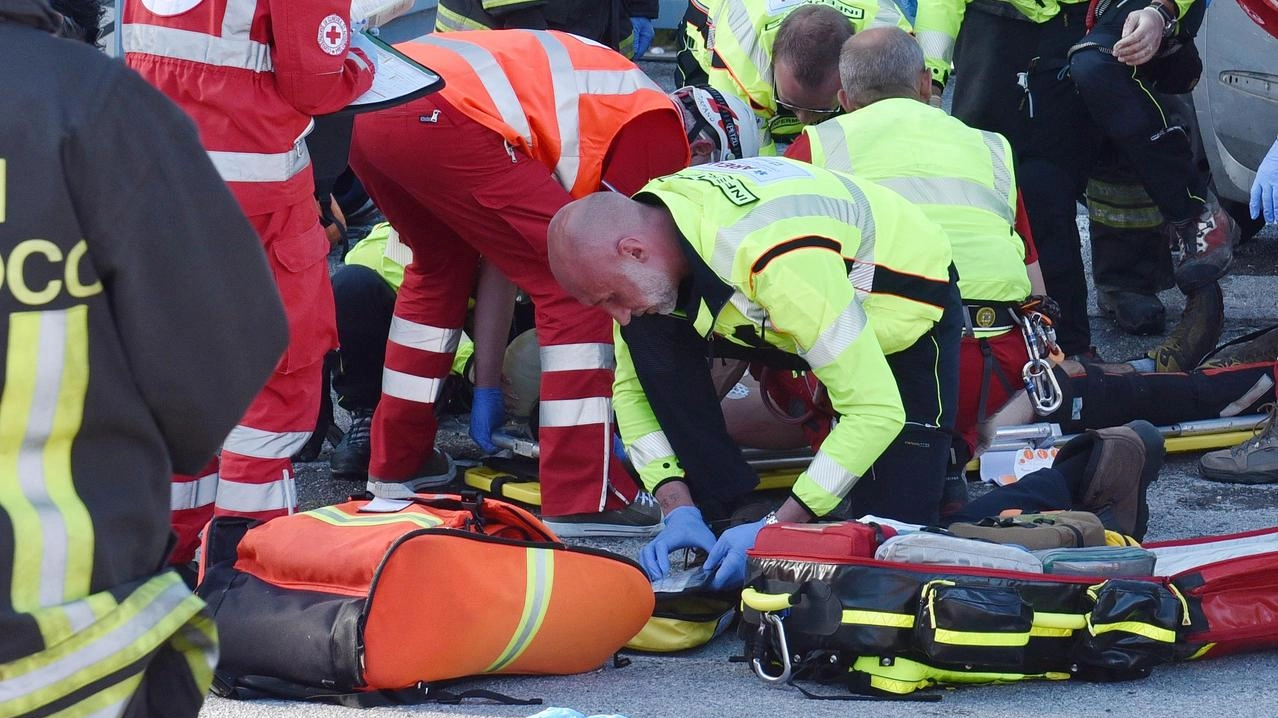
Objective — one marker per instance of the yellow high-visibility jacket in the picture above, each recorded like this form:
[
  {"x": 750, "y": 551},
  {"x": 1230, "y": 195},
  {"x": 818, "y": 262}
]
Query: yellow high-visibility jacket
[{"x": 812, "y": 262}]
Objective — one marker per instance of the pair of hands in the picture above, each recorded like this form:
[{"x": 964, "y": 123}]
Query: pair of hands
[{"x": 685, "y": 528}]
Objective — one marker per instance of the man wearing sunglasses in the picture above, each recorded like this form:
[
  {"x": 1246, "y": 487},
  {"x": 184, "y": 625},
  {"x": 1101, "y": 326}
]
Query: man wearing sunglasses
[{"x": 783, "y": 57}]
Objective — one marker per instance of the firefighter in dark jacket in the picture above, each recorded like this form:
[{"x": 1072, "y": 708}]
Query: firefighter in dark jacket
[
  {"x": 137, "y": 318},
  {"x": 623, "y": 25}
]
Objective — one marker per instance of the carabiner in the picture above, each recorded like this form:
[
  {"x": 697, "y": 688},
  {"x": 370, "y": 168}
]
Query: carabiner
[{"x": 757, "y": 665}]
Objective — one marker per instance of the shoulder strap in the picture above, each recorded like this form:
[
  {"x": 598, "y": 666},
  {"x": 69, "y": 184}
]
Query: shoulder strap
[{"x": 259, "y": 687}]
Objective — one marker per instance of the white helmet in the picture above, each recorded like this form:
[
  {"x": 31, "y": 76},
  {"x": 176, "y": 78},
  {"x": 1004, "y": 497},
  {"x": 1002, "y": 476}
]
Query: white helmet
[
  {"x": 521, "y": 375},
  {"x": 736, "y": 130}
]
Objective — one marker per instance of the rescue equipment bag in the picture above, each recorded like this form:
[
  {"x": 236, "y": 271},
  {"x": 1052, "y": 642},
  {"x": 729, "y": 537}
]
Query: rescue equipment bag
[
  {"x": 685, "y": 619},
  {"x": 1060, "y": 529},
  {"x": 888, "y": 628},
  {"x": 378, "y": 595},
  {"x": 1109, "y": 561},
  {"x": 938, "y": 548}
]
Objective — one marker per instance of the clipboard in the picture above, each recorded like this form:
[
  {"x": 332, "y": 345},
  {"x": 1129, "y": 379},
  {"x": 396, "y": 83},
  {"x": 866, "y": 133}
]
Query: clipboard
[{"x": 399, "y": 79}]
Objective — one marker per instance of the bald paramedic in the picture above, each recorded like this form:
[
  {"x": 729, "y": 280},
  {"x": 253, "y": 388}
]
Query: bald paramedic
[
  {"x": 963, "y": 179},
  {"x": 527, "y": 121},
  {"x": 794, "y": 266}
]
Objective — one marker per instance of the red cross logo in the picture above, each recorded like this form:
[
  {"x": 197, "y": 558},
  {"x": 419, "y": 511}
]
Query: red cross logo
[{"x": 333, "y": 35}]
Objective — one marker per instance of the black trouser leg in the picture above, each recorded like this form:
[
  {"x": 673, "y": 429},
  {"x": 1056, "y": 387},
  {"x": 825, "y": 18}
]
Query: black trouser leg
[
  {"x": 1049, "y": 192},
  {"x": 672, "y": 363},
  {"x": 1128, "y": 113},
  {"x": 990, "y": 50},
  {"x": 1129, "y": 249},
  {"x": 906, "y": 481},
  {"x": 1042, "y": 490},
  {"x": 365, "y": 304}
]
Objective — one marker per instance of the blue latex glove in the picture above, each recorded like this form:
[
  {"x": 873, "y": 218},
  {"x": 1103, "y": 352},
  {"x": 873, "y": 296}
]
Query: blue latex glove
[
  {"x": 487, "y": 412},
  {"x": 644, "y": 33},
  {"x": 684, "y": 529},
  {"x": 728, "y": 557},
  {"x": 619, "y": 448},
  {"x": 1264, "y": 191},
  {"x": 362, "y": 41}
]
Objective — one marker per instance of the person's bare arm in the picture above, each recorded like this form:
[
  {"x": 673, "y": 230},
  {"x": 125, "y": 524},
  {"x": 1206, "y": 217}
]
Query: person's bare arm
[{"x": 494, "y": 307}]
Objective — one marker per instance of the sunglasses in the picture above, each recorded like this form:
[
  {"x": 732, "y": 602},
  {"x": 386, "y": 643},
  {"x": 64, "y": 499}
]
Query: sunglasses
[{"x": 776, "y": 96}]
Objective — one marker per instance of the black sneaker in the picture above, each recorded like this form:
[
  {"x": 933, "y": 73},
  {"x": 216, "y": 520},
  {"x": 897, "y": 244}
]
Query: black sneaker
[
  {"x": 437, "y": 470},
  {"x": 349, "y": 460},
  {"x": 641, "y": 519}
]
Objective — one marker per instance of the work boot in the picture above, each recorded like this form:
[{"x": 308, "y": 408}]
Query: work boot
[
  {"x": 1204, "y": 246},
  {"x": 1254, "y": 461},
  {"x": 1196, "y": 334},
  {"x": 1113, "y": 468},
  {"x": 438, "y": 469},
  {"x": 1259, "y": 349},
  {"x": 349, "y": 460},
  {"x": 1135, "y": 313}
]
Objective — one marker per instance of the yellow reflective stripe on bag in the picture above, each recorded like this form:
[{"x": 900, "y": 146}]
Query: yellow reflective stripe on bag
[
  {"x": 540, "y": 579},
  {"x": 977, "y": 638},
  {"x": 1150, "y": 631},
  {"x": 336, "y": 517},
  {"x": 878, "y": 618}
]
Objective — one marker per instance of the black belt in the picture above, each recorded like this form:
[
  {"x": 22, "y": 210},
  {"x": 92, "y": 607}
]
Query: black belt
[{"x": 992, "y": 316}]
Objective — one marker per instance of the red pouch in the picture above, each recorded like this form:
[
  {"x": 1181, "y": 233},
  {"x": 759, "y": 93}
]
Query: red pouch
[{"x": 845, "y": 539}]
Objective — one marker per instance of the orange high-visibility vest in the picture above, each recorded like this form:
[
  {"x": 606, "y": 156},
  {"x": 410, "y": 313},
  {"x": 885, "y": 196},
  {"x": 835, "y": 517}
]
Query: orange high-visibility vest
[{"x": 557, "y": 97}]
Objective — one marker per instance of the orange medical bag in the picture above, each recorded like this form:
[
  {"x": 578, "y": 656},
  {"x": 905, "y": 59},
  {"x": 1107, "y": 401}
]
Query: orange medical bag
[{"x": 387, "y": 595}]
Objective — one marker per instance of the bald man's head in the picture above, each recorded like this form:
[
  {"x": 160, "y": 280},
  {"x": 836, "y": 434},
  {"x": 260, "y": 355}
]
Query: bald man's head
[
  {"x": 881, "y": 63},
  {"x": 611, "y": 252}
]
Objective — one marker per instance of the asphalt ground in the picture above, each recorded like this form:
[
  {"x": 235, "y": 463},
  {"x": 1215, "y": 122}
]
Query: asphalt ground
[{"x": 705, "y": 683}]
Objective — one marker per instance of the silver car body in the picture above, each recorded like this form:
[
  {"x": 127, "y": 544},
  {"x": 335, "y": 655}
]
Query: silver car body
[{"x": 1237, "y": 98}]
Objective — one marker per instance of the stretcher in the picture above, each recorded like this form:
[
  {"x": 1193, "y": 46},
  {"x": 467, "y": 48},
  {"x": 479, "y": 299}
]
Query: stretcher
[
  {"x": 514, "y": 477},
  {"x": 1183, "y": 437}
]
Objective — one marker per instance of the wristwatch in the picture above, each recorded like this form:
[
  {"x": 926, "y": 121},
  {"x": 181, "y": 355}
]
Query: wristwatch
[{"x": 1169, "y": 22}]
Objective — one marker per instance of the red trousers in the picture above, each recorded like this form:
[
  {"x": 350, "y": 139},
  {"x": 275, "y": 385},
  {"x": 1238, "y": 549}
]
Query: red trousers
[
  {"x": 455, "y": 191},
  {"x": 1007, "y": 355},
  {"x": 255, "y": 476}
]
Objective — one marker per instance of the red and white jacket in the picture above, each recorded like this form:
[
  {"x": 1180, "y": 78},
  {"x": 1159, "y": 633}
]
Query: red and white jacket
[{"x": 251, "y": 73}]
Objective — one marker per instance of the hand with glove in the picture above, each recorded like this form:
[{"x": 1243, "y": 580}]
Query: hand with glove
[
  {"x": 728, "y": 557},
  {"x": 644, "y": 33},
  {"x": 361, "y": 41},
  {"x": 1264, "y": 191},
  {"x": 487, "y": 413},
  {"x": 684, "y": 529}
]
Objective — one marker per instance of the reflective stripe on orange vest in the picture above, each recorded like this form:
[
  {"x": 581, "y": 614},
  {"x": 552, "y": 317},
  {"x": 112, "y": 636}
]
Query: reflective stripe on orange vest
[{"x": 522, "y": 84}]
